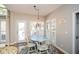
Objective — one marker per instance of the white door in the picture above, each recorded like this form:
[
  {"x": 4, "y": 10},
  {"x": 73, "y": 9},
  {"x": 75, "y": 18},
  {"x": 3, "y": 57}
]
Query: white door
[{"x": 21, "y": 31}]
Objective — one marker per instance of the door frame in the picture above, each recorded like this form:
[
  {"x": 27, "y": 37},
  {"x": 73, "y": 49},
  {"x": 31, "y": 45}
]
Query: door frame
[{"x": 74, "y": 31}]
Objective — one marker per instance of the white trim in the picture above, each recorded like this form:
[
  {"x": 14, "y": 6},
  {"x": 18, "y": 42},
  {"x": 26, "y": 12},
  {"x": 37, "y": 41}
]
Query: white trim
[
  {"x": 61, "y": 49},
  {"x": 7, "y": 29},
  {"x": 74, "y": 30}
]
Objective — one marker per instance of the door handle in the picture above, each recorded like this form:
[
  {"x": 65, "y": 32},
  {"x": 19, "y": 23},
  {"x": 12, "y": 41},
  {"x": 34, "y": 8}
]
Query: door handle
[{"x": 77, "y": 37}]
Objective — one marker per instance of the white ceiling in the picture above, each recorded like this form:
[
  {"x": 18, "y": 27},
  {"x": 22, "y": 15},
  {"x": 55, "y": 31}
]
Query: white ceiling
[{"x": 44, "y": 9}]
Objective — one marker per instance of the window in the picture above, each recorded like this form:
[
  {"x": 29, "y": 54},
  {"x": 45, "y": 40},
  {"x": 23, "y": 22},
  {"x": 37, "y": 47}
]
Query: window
[
  {"x": 33, "y": 29},
  {"x": 37, "y": 29},
  {"x": 21, "y": 31},
  {"x": 3, "y": 14},
  {"x": 51, "y": 30},
  {"x": 3, "y": 10},
  {"x": 2, "y": 31},
  {"x": 2, "y": 6}
]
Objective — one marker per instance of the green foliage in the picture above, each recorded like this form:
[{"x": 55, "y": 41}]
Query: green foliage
[{"x": 3, "y": 10}]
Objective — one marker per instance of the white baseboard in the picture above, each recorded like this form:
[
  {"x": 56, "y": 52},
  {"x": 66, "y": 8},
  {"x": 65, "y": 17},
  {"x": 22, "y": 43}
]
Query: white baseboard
[{"x": 61, "y": 49}]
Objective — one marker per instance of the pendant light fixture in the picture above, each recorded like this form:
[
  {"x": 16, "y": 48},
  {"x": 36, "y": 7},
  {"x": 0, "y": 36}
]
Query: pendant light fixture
[{"x": 37, "y": 10}]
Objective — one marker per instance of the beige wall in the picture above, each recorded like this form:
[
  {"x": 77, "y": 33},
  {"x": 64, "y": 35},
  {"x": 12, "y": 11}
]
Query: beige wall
[
  {"x": 14, "y": 17},
  {"x": 64, "y": 32}
]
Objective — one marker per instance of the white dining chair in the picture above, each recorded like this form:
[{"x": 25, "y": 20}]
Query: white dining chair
[
  {"x": 31, "y": 48},
  {"x": 42, "y": 48}
]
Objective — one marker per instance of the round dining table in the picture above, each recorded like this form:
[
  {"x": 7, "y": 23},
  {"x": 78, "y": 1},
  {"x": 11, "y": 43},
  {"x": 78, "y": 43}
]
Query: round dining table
[{"x": 38, "y": 38}]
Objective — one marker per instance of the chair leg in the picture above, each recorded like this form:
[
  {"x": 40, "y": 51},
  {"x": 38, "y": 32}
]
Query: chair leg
[{"x": 47, "y": 52}]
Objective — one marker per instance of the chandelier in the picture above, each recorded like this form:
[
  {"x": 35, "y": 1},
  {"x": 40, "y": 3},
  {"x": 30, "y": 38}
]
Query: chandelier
[{"x": 37, "y": 10}]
